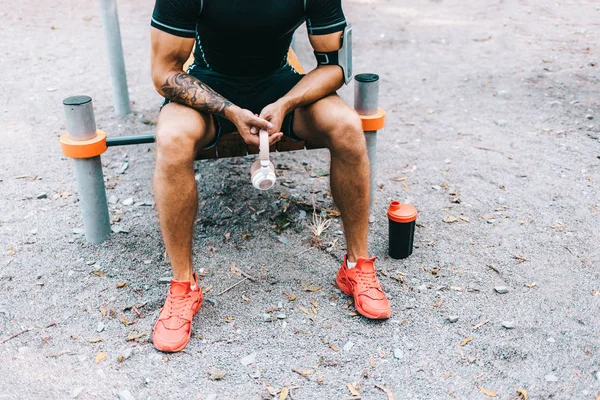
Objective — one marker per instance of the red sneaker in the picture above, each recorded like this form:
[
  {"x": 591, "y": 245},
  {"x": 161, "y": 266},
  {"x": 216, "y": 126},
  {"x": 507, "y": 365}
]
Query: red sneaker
[
  {"x": 361, "y": 283},
  {"x": 174, "y": 326}
]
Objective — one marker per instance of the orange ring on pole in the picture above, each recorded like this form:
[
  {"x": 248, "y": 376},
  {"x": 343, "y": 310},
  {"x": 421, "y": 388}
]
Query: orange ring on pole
[
  {"x": 373, "y": 122},
  {"x": 83, "y": 148}
]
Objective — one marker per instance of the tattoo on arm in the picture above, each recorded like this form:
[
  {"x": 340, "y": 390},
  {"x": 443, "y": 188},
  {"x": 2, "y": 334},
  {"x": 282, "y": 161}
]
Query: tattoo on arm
[{"x": 185, "y": 89}]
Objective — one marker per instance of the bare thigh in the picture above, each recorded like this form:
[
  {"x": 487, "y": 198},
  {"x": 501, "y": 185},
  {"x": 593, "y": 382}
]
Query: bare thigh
[
  {"x": 328, "y": 122},
  {"x": 182, "y": 128}
]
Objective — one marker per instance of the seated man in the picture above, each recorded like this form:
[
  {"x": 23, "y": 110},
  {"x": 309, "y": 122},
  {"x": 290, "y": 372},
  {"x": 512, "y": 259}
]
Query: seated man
[{"x": 240, "y": 80}]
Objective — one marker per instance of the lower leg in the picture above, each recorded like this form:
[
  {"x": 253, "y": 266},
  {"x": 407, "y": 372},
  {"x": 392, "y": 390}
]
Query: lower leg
[
  {"x": 350, "y": 190},
  {"x": 177, "y": 202}
]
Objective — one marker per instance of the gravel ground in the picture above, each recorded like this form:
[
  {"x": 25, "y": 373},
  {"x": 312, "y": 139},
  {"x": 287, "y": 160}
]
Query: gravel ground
[{"x": 492, "y": 134}]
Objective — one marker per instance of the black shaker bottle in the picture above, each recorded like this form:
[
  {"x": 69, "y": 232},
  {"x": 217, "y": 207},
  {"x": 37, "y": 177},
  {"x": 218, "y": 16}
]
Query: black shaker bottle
[{"x": 402, "y": 219}]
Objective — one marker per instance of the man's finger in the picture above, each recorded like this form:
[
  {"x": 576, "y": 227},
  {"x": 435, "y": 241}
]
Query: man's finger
[
  {"x": 262, "y": 123},
  {"x": 276, "y": 137},
  {"x": 254, "y": 130}
]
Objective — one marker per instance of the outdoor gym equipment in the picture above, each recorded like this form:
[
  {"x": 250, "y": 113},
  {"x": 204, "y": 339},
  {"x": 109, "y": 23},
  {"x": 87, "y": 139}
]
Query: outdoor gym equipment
[{"x": 85, "y": 143}]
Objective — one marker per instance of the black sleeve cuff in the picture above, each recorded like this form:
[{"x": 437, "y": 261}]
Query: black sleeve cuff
[
  {"x": 177, "y": 31},
  {"x": 325, "y": 30}
]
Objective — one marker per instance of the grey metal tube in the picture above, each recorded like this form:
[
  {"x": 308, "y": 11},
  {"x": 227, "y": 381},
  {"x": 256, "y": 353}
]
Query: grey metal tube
[
  {"x": 79, "y": 113},
  {"x": 129, "y": 140},
  {"x": 366, "y": 94},
  {"x": 92, "y": 197},
  {"x": 81, "y": 124},
  {"x": 366, "y": 102},
  {"x": 114, "y": 50}
]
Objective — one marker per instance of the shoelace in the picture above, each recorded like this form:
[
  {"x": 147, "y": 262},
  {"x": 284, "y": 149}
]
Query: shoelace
[
  {"x": 176, "y": 305},
  {"x": 368, "y": 279}
]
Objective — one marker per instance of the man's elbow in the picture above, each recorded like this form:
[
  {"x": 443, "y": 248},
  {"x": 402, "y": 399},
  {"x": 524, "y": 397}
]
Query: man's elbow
[{"x": 160, "y": 79}]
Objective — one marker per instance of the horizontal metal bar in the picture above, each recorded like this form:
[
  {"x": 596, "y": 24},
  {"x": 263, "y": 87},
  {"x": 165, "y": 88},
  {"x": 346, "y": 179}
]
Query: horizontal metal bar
[{"x": 127, "y": 140}]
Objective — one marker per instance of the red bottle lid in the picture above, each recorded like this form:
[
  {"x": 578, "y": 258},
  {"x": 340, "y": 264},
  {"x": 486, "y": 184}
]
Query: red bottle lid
[{"x": 403, "y": 213}]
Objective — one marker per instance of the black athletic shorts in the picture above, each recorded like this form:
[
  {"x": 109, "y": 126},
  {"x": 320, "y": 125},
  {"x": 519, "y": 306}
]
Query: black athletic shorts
[{"x": 252, "y": 93}]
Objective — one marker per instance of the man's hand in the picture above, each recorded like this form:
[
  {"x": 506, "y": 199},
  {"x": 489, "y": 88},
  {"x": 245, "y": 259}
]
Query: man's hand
[
  {"x": 248, "y": 125},
  {"x": 274, "y": 113}
]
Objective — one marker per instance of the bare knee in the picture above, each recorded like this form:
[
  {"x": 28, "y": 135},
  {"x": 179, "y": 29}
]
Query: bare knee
[
  {"x": 181, "y": 132},
  {"x": 175, "y": 147},
  {"x": 345, "y": 136}
]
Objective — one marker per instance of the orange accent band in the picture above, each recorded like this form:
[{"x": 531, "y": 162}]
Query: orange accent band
[
  {"x": 83, "y": 148},
  {"x": 292, "y": 59},
  {"x": 373, "y": 122}
]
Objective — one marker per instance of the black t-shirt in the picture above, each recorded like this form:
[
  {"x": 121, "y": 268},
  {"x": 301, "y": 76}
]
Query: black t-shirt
[{"x": 245, "y": 37}]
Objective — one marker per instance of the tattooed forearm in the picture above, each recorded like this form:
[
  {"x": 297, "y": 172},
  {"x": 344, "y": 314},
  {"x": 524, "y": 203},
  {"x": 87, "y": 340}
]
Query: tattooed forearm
[{"x": 185, "y": 89}]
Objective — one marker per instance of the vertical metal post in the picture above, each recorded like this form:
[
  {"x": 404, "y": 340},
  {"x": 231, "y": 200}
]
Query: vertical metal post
[
  {"x": 81, "y": 125},
  {"x": 366, "y": 102},
  {"x": 114, "y": 50}
]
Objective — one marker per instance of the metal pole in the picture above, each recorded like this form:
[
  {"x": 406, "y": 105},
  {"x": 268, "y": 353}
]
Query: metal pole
[
  {"x": 81, "y": 125},
  {"x": 129, "y": 140},
  {"x": 366, "y": 102},
  {"x": 114, "y": 50}
]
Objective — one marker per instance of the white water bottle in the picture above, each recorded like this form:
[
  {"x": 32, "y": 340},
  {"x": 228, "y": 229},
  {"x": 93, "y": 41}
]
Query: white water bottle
[{"x": 262, "y": 171}]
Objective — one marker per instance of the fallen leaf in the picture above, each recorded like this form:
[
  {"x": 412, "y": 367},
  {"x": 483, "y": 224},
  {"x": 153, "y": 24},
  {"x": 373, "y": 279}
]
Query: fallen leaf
[
  {"x": 531, "y": 285},
  {"x": 352, "y": 389},
  {"x": 101, "y": 356},
  {"x": 389, "y": 393},
  {"x": 406, "y": 185},
  {"x": 399, "y": 179},
  {"x": 333, "y": 347},
  {"x": 464, "y": 219},
  {"x": 96, "y": 340},
  {"x": 313, "y": 289},
  {"x": 103, "y": 311},
  {"x": 136, "y": 337},
  {"x": 320, "y": 380},
  {"x": 271, "y": 309},
  {"x": 519, "y": 259},
  {"x": 314, "y": 309},
  {"x": 438, "y": 303},
  {"x": 466, "y": 340},
  {"x": 479, "y": 325},
  {"x": 523, "y": 395},
  {"x": 246, "y": 299},
  {"x": 100, "y": 274},
  {"x": 229, "y": 318},
  {"x": 446, "y": 375},
  {"x": 332, "y": 212},
  {"x": 353, "y": 314},
  {"x": 227, "y": 236},
  {"x": 233, "y": 270},
  {"x": 284, "y": 393},
  {"x": 372, "y": 362},
  {"x": 304, "y": 310},
  {"x": 490, "y": 393},
  {"x": 124, "y": 320},
  {"x": 304, "y": 372},
  {"x": 121, "y": 285},
  {"x": 291, "y": 297},
  {"x": 450, "y": 219},
  {"x": 120, "y": 359},
  {"x": 271, "y": 391},
  {"x": 488, "y": 217}
]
